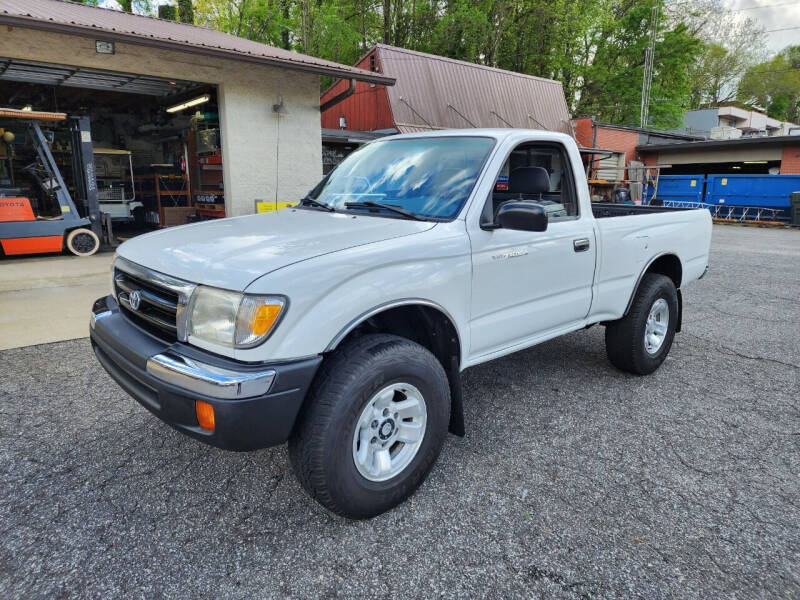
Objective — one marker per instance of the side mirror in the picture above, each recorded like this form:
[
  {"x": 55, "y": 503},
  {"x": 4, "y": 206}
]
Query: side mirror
[{"x": 523, "y": 216}]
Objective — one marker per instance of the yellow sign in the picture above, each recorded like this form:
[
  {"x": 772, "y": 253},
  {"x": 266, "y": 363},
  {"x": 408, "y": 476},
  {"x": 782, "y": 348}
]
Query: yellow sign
[
  {"x": 694, "y": 183},
  {"x": 263, "y": 206},
  {"x": 724, "y": 181}
]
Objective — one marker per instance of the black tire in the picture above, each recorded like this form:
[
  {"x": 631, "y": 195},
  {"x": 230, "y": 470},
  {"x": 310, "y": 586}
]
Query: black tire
[
  {"x": 82, "y": 242},
  {"x": 625, "y": 338},
  {"x": 138, "y": 217},
  {"x": 321, "y": 445}
]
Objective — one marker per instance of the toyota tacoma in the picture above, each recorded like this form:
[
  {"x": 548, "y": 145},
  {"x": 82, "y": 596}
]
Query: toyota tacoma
[{"x": 342, "y": 325}]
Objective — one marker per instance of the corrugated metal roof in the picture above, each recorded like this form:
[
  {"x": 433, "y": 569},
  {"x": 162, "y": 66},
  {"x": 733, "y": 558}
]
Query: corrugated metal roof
[
  {"x": 433, "y": 92},
  {"x": 765, "y": 140},
  {"x": 106, "y": 24}
]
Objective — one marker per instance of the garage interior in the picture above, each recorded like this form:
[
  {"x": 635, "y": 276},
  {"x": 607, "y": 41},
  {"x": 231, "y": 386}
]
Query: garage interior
[{"x": 156, "y": 153}]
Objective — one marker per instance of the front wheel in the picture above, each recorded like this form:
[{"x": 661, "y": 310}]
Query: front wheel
[
  {"x": 640, "y": 341},
  {"x": 372, "y": 425},
  {"x": 82, "y": 242}
]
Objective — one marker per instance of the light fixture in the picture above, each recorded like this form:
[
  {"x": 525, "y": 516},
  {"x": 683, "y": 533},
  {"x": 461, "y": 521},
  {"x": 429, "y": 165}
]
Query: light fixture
[
  {"x": 189, "y": 103},
  {"x": 103, "y": 47},
  {"x": 755, "y": 162},
  {"x": 737, "y": 168}
]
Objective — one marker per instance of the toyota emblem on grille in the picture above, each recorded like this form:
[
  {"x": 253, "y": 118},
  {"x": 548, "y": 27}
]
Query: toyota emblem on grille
[{"x": 135, "y": 299}]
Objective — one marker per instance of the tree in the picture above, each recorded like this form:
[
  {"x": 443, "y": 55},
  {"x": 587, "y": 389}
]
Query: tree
[
  {"x": 732, "y": 42},
  {"x": 612, "y": 83},
  {"x": 185, "y": 11},
  {"x": 142, "y": 7},
  {"x": 774, "y": 86},
  {"x": 168, "y": 12},
  {"x": 594, "y": 47}
]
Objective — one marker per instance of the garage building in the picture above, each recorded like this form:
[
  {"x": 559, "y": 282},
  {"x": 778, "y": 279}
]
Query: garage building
[{"x": 191, "y": 122}]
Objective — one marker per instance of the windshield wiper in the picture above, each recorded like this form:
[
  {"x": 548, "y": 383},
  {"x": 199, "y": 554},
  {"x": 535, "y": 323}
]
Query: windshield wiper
[
  {"x": 395, "y": 209},
  {"x": 309, "y": 201}
]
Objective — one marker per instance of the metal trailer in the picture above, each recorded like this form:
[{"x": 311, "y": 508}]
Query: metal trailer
[{"x": 23, "y": 232}]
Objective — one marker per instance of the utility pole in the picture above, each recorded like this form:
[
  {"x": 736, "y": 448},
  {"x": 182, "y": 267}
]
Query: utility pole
[{"x": 649, "y": 52}]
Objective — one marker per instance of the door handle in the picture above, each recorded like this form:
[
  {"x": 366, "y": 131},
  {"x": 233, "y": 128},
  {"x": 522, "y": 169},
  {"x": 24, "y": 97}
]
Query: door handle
[{"x": 580, "y": 245}]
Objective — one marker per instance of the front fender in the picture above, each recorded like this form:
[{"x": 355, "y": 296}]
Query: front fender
[{"x": 331, "y": 294}]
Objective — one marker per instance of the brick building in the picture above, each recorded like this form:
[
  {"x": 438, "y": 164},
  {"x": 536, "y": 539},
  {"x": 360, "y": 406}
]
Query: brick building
[{"x": 622, "y": 144}]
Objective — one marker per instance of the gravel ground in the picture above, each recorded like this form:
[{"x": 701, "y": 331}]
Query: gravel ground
[{"x": 574, "y": 480}]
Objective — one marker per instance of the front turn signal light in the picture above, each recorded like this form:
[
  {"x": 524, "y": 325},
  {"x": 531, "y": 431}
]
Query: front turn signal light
[
  {"x": 205, "y": 415},
  {"x": 265, "y": 318},
  {"x": 256, "y": 318}
]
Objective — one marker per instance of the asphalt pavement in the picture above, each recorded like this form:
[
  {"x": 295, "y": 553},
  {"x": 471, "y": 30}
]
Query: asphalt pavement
[{"x": 573, "y": 481}]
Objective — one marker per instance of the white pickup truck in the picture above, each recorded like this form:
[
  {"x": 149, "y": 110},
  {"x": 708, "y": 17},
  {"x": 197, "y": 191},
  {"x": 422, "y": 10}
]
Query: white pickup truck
[{"x": 342, "y": 325}]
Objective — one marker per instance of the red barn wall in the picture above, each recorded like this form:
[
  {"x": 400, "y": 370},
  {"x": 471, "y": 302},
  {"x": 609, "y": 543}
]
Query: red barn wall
[{"x": 366, "y": 110}]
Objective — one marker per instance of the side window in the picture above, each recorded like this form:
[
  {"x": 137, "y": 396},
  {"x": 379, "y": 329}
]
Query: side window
[{"x": 536, "y": 172}]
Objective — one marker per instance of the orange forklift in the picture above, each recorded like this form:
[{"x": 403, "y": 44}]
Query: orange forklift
[{"x": 37, "y": 212}]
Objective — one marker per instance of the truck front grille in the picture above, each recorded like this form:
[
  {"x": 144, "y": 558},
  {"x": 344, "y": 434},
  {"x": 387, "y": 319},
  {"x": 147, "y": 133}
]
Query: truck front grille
[{"x": 151, "y": 300}]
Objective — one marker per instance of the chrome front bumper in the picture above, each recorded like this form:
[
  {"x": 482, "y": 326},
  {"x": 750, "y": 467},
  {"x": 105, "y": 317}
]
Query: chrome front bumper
[
  {"x": 194, "y": 376},
  {"x": 255, "y": 405}
]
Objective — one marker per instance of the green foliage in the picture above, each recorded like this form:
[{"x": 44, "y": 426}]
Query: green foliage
[
  {"x": 168, "y": 12},
  {"x": 142, "y": 7},
  {"x": 774, "y": 86},
  {"x": 732, "y": 42},
  {"x": 185, "y": 11},
  {"x": 613, "y": 78},
  {"x": 594, "y": 47}
]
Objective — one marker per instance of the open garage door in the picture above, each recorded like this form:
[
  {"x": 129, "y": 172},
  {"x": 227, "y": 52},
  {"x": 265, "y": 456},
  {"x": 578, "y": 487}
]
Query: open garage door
[{"x": 155, "y": 153}]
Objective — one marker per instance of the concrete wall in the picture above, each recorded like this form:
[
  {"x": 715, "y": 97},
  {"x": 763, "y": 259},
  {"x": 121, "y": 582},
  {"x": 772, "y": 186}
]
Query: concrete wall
[{"x": 264, "y": 153}]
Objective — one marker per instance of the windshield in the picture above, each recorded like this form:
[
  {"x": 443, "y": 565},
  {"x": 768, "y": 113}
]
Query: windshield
[{"x": 428, "y": 177}]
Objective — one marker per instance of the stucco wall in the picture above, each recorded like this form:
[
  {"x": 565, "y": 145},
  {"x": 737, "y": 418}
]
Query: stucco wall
[{"x": 263, "y": 152}]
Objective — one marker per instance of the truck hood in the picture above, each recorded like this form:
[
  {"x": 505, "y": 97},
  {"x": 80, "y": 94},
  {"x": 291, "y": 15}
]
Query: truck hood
[{"x": 232, "y": 253}]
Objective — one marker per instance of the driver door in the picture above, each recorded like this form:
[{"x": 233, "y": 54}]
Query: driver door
[{"x": 526, "y": 284}]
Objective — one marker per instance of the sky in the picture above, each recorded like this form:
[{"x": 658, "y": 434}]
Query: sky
[{"x": 773, "y": 17}]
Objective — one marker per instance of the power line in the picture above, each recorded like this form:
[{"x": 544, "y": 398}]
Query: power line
[{"x": 782, "y": 29}]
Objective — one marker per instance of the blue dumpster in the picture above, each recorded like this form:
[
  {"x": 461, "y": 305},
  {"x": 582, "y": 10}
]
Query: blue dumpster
[
  {"x": 756, "y": 191},
  {"x": 679, "y": 188}
]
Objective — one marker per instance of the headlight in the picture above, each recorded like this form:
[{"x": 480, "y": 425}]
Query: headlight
[{"x": 232, "y": 319}]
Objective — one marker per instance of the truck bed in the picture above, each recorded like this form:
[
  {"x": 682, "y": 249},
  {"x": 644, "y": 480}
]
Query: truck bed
[{"x": 602, "y": 210}]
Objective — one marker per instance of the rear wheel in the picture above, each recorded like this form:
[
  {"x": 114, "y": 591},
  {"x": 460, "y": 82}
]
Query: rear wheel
[
  {"x": 82, "y": 242},
  {"x": 639, "y": 342},
  {"x": 372, "y": 425}
]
